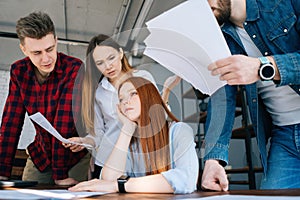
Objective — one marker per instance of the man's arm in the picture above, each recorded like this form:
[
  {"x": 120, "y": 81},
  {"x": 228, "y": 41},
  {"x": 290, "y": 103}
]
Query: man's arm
[
  {"x": 219, "y": 124},
  {"x": 11, "y": 126}
]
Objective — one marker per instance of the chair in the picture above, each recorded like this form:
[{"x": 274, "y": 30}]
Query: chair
[{"x": 246, "y": 133}]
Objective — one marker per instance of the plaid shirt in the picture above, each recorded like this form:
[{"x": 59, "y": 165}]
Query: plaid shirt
[{"x": 53, "y": 99}]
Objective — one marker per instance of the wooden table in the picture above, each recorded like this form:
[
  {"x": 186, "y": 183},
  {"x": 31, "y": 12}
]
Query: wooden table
[{"x": 198, "y": 194}]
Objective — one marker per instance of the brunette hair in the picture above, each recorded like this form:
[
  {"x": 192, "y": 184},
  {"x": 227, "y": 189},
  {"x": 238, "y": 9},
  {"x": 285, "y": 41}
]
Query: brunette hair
[
  {"x": 36, "y": 25},
  {"x": 153, "y": 129}
]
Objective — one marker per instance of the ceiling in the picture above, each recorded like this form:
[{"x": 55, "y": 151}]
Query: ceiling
[{"x": 76, "y": 21}]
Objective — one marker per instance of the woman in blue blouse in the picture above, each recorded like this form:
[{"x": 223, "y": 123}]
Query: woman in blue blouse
[{"x": 152, "y": 154}]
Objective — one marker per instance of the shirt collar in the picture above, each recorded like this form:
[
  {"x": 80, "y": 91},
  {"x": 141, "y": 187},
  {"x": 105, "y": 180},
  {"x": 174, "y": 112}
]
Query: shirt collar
[
  {"x": 106, "y": 84},
  {"x": 252, "y": 10}
]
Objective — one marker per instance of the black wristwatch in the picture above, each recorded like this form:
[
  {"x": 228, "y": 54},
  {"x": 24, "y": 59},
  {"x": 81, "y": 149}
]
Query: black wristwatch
[
  {"x": 121, "y": 183},
  {"x": 266, "y": 70}
]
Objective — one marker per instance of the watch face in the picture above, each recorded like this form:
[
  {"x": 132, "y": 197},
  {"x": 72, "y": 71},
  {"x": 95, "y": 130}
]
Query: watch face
[
  {"x": 123, "y": 178},
  {"x": 267, "y": 72}
]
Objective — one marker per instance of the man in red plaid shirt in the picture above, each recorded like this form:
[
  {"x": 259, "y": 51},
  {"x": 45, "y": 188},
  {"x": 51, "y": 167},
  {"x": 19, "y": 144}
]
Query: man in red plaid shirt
[{"x": 42, "y": 82}]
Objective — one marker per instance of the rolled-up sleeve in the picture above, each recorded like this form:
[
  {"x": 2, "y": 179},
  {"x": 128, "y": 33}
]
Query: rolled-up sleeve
[{"x": 183, "y": 176}]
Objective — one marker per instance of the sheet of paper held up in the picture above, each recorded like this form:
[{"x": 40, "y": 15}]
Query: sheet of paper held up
[
  {"x": 31, "y": 194},
  {"x": 245, "y": 197},
  {"x": 44, "y": 123},
  {"x": 185, "y": 40}
]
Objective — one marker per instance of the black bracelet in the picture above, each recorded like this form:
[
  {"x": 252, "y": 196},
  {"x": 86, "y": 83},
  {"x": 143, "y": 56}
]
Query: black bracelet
[{"x": 121, "y": 183}]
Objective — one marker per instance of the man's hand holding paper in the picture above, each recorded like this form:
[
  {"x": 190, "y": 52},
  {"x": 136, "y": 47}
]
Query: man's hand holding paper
[{"x": 188, "y": 36}]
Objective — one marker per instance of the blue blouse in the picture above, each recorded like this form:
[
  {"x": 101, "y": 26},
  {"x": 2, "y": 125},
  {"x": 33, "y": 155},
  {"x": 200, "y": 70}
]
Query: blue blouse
[{"x": 183, "y": 175}]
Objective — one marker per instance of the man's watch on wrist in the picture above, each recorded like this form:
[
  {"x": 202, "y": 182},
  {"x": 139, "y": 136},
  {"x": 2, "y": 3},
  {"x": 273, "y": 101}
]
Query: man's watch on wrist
[
  {"x": 266, "y": 70},
  {"x": 121, "y": 183}
]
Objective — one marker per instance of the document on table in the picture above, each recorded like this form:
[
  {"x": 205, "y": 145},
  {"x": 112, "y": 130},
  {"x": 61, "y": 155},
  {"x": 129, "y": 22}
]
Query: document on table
[
  {"x": 44, "y": 123},
  {"x": 32, "y": 194},
  {"x": 185, "y": 40},
  {"x": 246, "y": 197}
]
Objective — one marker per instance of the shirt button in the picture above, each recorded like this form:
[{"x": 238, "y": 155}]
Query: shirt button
[
  {"x": 285, "y": 30},
  {"x": 254, "y": 100},
  {"x": 254, "y": 36},
  {"x": 266, "y": 53}
]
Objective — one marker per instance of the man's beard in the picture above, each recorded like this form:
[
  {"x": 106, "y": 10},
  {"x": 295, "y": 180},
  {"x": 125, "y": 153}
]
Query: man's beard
[{"x": 224, "y": 11}]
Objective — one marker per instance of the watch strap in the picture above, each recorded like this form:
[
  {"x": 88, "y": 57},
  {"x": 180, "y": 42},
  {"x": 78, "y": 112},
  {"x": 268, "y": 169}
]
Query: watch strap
[
  {"x": 121, "y": 186},
  {"x": 264, "y": 60},
  {"x": 121, "y": 183}
]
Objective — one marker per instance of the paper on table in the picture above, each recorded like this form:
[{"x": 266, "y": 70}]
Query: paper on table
[
  {"x": 43, "y": 122},
  {"x": 45, "y": 194},
  {"x": 185, "y": 40}
]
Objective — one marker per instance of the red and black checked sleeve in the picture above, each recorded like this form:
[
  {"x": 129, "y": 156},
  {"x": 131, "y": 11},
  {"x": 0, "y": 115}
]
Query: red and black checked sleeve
[{"x": 11, "y": 126}]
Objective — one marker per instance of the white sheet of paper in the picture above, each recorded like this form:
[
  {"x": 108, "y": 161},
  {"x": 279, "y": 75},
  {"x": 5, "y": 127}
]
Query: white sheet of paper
[
  {"x": 23, "y": 194},
  {"x": 43, "y": 122},
  {"x": 246, "y": 197},
  {"x": 185, "y": 40}
]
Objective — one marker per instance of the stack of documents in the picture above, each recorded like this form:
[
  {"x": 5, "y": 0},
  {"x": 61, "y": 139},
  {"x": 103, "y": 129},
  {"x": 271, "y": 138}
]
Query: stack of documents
[{"x": 185, "y": 40}]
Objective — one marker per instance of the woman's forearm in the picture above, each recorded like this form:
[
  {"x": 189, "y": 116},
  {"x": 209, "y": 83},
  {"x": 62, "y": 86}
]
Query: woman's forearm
[
  {"x": 149, "y": 184},
  {"x": 115, "y": 165}
]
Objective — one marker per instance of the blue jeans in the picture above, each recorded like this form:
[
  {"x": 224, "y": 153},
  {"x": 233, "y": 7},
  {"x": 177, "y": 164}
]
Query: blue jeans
[{"x": 283, "y": 169}]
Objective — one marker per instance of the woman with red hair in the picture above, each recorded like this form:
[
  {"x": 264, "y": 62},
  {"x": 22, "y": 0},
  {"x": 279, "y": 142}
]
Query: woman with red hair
[{"x": 152, "y": 154}]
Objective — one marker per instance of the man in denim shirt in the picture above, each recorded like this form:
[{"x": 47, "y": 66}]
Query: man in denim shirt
[{"x": 264, "y": 38}]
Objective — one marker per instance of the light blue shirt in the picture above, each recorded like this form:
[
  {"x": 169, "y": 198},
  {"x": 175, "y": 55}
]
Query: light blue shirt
[{"x": 183, "y": 175}]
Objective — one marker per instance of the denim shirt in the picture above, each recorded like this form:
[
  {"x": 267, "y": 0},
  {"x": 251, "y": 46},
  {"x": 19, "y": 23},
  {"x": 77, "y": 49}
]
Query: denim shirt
[{"x": 274, "y": 27}]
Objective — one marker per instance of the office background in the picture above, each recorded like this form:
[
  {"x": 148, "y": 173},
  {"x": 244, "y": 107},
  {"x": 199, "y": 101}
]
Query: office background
[{"x": 76, "y": 22}]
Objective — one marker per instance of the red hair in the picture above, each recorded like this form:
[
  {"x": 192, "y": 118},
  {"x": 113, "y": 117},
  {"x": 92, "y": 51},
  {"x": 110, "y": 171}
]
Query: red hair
[{"x": 153, "y": 131}]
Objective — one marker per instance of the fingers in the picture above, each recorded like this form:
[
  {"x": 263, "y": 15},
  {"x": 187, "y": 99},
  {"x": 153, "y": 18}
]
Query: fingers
[
  {"x": 73, "y": 147},
  {"x": 76, "y": 148},
  {"x": 67, "y": 145},
  {"x": 212, "y": 186},
  {"x": 79, "y": 187},
  {"x": 214, "y": 176},
  {"x": 85, "y": 185},
  {"x": 212, "y": 66},
  {"x": 223, "y": 182},
  {"x": 67, "y": 181},
  {"x": 3, "y": 178},
  {"x": 216, "y": 185},
  {"x": 236, "y": 69}
]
